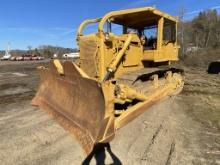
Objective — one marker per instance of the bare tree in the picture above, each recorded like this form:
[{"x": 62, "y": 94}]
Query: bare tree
[{"x": 182, "y": 29}]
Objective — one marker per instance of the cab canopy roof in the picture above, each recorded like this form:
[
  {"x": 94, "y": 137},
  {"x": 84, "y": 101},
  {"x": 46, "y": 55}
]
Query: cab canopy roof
[{"x": 137, "y": 18}]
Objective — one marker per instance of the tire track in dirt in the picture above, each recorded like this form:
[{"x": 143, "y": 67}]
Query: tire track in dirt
[
  {"x": 170, "y": 156},
  {"x": 147, "y": 150}
]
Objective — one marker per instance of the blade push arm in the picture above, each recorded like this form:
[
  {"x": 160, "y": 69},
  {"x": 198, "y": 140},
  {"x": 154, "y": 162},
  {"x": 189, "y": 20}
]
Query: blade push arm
[{"x": 117, "y": 58}]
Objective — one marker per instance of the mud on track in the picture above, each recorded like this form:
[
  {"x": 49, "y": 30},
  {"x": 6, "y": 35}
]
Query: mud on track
[{"x": 179, "y": 130}]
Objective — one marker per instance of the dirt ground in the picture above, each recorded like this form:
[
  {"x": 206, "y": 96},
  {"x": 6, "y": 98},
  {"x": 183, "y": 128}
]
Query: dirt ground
[{"x": 184, "y": 129}]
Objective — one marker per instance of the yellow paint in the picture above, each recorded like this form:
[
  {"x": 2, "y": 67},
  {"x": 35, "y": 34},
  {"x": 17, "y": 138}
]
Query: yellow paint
[
  {"x": 105, "y": 52},
  {"x": 109, "y": 46},
  {"x": 58, "y": 66}
]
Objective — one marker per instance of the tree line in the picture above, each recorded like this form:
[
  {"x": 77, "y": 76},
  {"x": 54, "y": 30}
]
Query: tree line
[
  {"x": 202, "y": 32},
  {"x": 46, "y": 51}
]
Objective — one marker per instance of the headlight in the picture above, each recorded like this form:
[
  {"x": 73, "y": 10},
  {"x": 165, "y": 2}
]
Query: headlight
[{"x": 107, "y": 37}]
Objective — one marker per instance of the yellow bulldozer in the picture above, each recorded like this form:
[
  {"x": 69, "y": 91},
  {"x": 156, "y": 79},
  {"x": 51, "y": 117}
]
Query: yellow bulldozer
[{"x": 123, "y": 69}]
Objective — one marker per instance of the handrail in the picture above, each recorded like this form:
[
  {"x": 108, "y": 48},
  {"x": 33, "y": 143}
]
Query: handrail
[{"x": 85, "y": 23}]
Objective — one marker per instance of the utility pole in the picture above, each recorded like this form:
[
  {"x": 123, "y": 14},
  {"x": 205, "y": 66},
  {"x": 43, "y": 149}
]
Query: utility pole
[{"x": 182, "y": 29}]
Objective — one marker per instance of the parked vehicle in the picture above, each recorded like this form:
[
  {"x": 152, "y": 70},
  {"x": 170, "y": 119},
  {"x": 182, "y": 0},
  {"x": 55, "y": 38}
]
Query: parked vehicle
[
  {"x": 13, "y": 58},
  {"x": 27, "y": 57},
  {"x": 19, "y": 58},
  {"x": 34, "y": 57}
]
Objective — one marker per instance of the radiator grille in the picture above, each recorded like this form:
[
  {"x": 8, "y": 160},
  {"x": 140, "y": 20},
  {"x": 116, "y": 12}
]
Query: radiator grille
[{"x": 88, "y": 53}]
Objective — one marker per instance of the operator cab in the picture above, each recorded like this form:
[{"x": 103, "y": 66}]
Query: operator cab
[
  {"x": 156, "y": 31},
  {"x": 153, "y": 40}
]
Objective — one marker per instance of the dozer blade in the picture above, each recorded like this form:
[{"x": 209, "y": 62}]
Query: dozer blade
[{"x": 76, "y": 102}]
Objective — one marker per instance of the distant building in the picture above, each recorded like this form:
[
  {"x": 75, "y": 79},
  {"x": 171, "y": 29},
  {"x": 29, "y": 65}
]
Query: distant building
[{"x": 71, "y": 55}]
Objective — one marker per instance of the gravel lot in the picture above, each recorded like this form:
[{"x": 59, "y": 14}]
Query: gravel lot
[{"x": 184, "y": 129}]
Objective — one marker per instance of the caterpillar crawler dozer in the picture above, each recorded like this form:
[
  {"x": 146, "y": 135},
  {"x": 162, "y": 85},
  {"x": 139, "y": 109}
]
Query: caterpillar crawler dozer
[{"x": 123, "y": 69}]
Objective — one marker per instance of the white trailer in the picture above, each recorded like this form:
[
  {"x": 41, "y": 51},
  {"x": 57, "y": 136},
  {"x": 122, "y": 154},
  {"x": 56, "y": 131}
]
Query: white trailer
[
  {"x": 7, "y": 55},
  {"x": 71, "y": 55}
]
